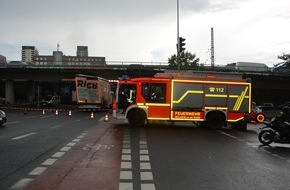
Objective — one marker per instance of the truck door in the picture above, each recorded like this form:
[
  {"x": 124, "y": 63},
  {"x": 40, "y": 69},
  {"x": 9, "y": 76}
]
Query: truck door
[
  {"x": 126, "y": 96},
  {"x": 156, "y": 100}
]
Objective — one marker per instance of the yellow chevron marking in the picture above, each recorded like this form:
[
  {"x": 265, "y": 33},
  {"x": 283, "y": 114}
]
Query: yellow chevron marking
[
  {"x": 240, "y": 100},
  {"x": 186, "y": 93}
]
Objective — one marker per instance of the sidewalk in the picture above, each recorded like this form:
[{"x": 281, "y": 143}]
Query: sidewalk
[{"x": 93, "y": 163}]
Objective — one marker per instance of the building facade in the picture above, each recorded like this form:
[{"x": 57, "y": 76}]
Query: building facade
[
  {"x": 81, "y": 59},
  {"x": 28, "y": 54},
  {"x": 82, "y": 51},
  {"x": 3, "y": 60}
]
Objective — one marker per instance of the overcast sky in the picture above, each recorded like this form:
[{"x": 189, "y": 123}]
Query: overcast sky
[{"x": 145, "y": 31}]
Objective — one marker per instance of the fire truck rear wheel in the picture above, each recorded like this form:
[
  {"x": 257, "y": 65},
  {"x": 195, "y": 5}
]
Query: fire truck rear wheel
[{"x": 136, "y": 117}]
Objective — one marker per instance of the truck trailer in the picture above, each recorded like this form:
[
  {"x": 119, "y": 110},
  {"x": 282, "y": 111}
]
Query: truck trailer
[{"x": 93, "y": 93}]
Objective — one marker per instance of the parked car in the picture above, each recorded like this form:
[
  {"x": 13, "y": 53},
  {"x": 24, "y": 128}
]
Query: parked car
[
  {"x": 50, "y": 101},
  {"x": 285, "y": 104},
  {"x": 3, "y": 118},
  {"x": 267, "y": 106}
]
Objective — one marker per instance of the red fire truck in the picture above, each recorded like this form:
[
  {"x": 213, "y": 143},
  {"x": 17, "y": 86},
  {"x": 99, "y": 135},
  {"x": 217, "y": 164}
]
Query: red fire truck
[{"x": 205, "y": 98}]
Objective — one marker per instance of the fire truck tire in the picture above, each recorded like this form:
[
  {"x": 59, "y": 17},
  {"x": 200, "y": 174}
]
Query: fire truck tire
[
  {"x": 215, "y": 121},
  {"x": 136, "y": 117}
]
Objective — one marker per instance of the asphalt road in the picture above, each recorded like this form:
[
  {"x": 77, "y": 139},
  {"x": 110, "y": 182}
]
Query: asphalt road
[
  {"x": 186, "y": 157},
  {"x": 28, "y": 140},
  {"x": 149, "y": 158}
]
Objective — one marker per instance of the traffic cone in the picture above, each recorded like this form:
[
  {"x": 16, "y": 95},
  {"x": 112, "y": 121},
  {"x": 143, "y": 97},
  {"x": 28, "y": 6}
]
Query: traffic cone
[
  {"x": 56, "y": 112},
  {"x": 43, "y": 112},
  {"x": 114, "y": 108},
  {"x": 92, "y": 115},
  {"x": 106, "y": 118},
  {"x": 69, "y": 113}
]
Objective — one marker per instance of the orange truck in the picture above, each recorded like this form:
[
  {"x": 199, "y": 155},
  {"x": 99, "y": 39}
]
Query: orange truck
[
  {"x": 93, "y": 93},
  {"x": 208, "y": 99}
]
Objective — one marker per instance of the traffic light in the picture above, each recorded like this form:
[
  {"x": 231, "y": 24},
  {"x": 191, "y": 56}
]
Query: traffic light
[{"x": 181, "y": 44}]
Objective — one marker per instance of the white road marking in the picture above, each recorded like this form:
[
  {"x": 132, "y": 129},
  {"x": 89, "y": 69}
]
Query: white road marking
[
  {"x": 54, "y": 127},
  {"x": 29, "y": 117},
  {"x": 126, "y": 186},
  {"x": 102, "y": 119},
  {"x": 149, "y": 186},
  {"x": 66, "y": 148},
  {"x": 127, "y": 146},
  {"x": 144, "y": 158},
  {"x": 126, "y": 175},
  {"x": 126, "y": 151},
  {"x": 12, "y": 122},
  {"x": 49, "y": 161},
  {"x": 143, "y": 146},
  {"x": 126, "y": 157},
  {"x": 126, "y": 165},
  {"x": 43, "y": 117},
  {"x": 76, "y": 140},
  {"x": 21, "y": 184},
  {"x": 71, "y": 144},
  {"x": 58, "y": 155},
  {"x": 257, "y": 145},
  {"x": 145, "y": 166},
  {"x": 146, "y": 176},
  {"x": 23, "y": 136},
  {"x": 38, "y": 171},
  {"x": 143, "y": 142},
  {"x": 144, "y": 152}
]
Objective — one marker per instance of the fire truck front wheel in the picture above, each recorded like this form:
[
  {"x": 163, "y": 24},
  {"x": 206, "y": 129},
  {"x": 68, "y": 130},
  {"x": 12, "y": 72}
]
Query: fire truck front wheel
[{"x": 136, "y": 117}]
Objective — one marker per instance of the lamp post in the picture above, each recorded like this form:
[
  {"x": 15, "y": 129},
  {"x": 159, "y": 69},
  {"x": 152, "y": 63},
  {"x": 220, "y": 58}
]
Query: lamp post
[{"x": 177, "y": 39}]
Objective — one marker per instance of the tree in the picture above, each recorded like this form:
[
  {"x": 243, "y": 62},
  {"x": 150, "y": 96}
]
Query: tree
[
  {"x": 286, "y": 60},
  {"x": 187, "y": 61}
]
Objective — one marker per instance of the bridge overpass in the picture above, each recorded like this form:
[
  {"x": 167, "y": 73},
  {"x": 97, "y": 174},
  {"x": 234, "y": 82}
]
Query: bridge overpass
[{"x": 21, "y": 85}]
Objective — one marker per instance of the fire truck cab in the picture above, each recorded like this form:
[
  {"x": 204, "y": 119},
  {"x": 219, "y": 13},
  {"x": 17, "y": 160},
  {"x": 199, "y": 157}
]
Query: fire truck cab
[{"x": 207, "y": 99}]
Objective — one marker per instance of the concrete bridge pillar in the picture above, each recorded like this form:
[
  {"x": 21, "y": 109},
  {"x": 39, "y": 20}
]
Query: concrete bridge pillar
[
  {"x": 9, "y": 91},
  {"x": 30, "y": 90}
]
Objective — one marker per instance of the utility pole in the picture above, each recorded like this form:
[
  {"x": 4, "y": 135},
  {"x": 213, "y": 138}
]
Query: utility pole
[
  {"x": 177, "y": 39},
  {"x": 212, "y": 49}
]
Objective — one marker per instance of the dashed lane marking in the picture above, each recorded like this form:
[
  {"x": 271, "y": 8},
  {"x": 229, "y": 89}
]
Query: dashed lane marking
[
  {"x": 257, "y": 145},
  {"x": 56, "y": 126},
  {"x": 22, "y": 183},
  {"x": 23, "y": 136},
  {"x": 58, "y": 155},
  {"x": 126, "y": 176},
  {"x": 49, "y": 161},
  {"x": 29, "y": 117},
  {"x": 12, "y": 122},
  {"x": 38, "y": 171}
]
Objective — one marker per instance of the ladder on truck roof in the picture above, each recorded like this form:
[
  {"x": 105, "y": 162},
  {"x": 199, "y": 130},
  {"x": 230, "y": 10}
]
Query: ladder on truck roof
[{"x": 200, "y": 74}]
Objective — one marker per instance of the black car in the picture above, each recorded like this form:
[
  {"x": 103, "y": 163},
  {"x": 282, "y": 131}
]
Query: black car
[
  {"x": 3, "y": 118},
  {"x": 267, "y": 106},
  {"x": 283, "y": 105},
  {"x": 50, "y": 101}
]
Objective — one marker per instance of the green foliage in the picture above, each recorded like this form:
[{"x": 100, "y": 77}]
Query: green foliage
[
  {"x": 286, "y": 59},
  {"x": 187, "y": 61}
]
